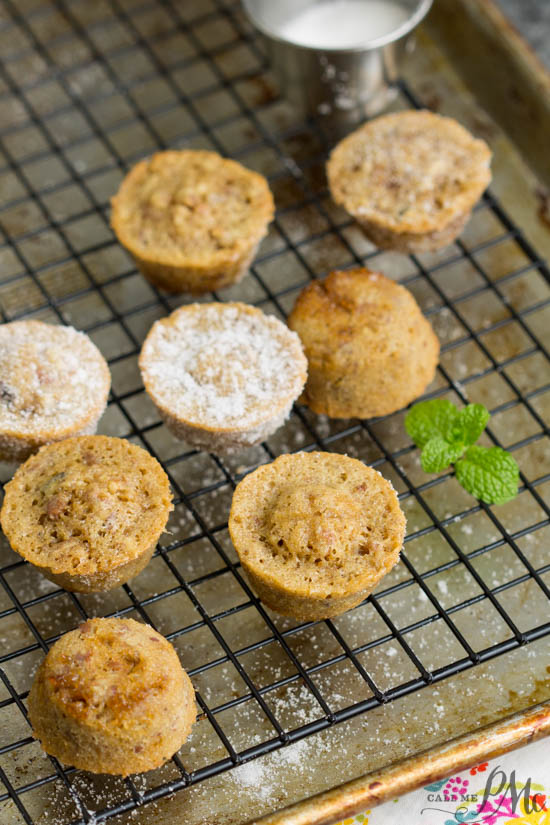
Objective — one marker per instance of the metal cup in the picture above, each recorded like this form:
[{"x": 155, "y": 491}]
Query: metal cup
[{"x": 340, "y": 87}]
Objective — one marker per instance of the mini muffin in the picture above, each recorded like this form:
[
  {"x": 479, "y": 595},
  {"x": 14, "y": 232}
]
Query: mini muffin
[
  {"x": 112, "y": 697},
  {"x": 223, "y": 376},
  {"x": 370, "y": 350},
  {"x": 54, "y": 383},
  {"x": 192, "y": 220},
  {"x": 315, "y": 532},
  {"x": 410, "y": 179},
  {"x": 87, "y": 511}
]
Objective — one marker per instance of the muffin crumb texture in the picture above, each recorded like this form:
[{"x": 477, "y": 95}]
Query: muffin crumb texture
[
  {"x": 222, "y": 369},
  {"x": 87, "y": 511},
  {"x": 315, "y": 532},
  {"x": 370, "y": 350},
  {"x": 192, "y": 219},
  {"x": 410, "y": 178},
  {"x": 54, "y": 383},
  {"x": 112, "y": 697}
]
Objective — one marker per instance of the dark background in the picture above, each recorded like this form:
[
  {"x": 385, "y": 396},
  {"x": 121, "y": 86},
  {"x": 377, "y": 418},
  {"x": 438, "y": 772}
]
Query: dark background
[{"x": 532, "y": 18}]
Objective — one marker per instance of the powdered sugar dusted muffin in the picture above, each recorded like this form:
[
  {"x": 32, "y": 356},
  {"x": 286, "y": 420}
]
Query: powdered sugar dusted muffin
[
  {"x": 192, "y": 219},
  {"x": 54, "y": 383},
  {"x": 315, "y": 532},
  {"x": 410, "y": 179},
  {"x": 223, "y": 376},
  {"x": 87, "y": 511},
  {"x": 112, "y": 697}
]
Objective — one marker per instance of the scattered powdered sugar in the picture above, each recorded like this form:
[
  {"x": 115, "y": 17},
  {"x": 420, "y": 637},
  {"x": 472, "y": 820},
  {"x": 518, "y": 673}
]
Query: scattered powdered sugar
[
  {"x": 51, "y": 378},
  {"x": 261, "y": 777},
  {"x": 222, "y": 365},
  {"x": 253, "y": 775},
  {"x": 295, "y": 705}
]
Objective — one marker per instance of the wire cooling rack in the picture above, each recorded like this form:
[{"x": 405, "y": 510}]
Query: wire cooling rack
[{"x": 85, "y": 90}]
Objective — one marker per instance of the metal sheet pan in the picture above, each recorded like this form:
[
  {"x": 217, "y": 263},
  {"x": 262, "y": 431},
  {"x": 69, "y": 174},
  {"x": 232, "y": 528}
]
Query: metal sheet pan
[{"x": 88, "y": 88}]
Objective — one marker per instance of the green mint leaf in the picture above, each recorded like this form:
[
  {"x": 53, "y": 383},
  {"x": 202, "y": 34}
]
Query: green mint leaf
[
  {"x": 488, "y": 473},
  {"x": 471, "y": 422},
  {"x": 429, "y": 419},
  {"x": 438, "y": 453}
]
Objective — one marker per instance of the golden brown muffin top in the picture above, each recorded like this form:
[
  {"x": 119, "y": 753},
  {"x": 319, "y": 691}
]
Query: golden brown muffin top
[
  {"x": 222, "y": 366},
  {"x": 111, "y": 673},
  {"x": 52, "y": 379},
  {"x": 410, "y": 171},
  {"x": 358, "y": 313},
  {"x": 86, "y": 504},
  {"x": 370, "y": 350},
  {"x": 191, "y": 207},
  {"x": 320, "y": 523}
]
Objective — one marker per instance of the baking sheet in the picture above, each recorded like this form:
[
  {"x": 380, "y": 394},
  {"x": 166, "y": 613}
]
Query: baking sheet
[{"x": 85, "y": 152}]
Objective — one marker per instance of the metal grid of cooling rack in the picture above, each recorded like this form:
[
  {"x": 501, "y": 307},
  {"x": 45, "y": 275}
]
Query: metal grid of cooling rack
[{"x": 85, "y": 90}]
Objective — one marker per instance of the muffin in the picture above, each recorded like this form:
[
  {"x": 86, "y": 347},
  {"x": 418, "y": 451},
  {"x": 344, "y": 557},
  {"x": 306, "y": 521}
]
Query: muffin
[
  {"x": 222, "y": 376},
  {"x": 370, "y": 350},
  {"x": 54, "y": 383},
  {"x": 315, "y": 532},
  {"x": 410, "y": 179},
  {"x": 87, "y": 511},
  {"x": 192, "y": 220},
  {"x": 112, "y": 697}
]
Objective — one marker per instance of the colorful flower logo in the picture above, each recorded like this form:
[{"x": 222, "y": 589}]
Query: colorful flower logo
[
  {"x": 539, "y": 816},
  {"x": 455, "y": 789},
  {"x": 497, "y": 808}
]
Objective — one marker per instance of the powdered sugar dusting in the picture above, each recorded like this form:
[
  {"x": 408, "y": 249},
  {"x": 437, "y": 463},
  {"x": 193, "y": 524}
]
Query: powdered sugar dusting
[
  {"x": 222, "y": 365},
  {"x": 253, "y": 775},
  {"x": 51, "y": 378},
  {"x": 412, "y": 171},
  {"x": 261, "y": 777}
]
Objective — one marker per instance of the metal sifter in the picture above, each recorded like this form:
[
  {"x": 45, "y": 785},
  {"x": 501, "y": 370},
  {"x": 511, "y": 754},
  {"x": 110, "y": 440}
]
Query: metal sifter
[{"x": 337, "y": 59}]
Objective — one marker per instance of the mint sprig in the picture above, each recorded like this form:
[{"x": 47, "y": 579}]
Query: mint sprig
[
  {"x": 488, "y": 473},
  {"x": 439, "y": 453},
  {"x": 447, "y": 435}
]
